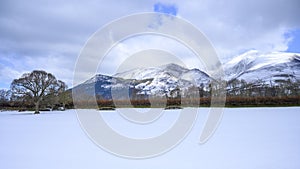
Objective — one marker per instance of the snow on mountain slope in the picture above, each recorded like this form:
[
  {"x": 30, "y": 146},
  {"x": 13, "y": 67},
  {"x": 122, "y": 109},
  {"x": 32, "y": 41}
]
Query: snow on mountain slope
[
  {"x": 140, "y": 73},
  {"x": 196, "y": 77},
  {"x": 98, "y": 78},
  {"x": 166, "y": 78},
  {"x": 252, "y": 66},
  {"x": 152, "y": 72},
  {"x": 272, "y": 67},
  {"x": 152, "y": 81}
]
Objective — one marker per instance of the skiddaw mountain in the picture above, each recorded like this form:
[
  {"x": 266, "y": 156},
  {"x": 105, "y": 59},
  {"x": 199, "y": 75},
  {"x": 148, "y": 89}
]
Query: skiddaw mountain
[{"x": 252, "y": 67}]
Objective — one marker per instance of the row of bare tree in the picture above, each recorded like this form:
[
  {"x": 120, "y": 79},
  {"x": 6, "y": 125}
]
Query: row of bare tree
[{"x": 40, "y": 89}]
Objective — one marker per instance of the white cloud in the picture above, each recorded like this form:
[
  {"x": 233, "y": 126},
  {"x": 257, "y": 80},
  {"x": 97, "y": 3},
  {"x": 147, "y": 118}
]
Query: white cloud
[
  {"x": 145, "y": 43},
  {"x": 14, "y": 67},
  {"x": 235, "y": 26}
]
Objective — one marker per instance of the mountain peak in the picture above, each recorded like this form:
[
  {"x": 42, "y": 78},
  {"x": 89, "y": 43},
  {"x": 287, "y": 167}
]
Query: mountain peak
[
  {"x": 244, "y": 58},
  {"x": 254, "y": 65},
  {"x": 172, "y": 65},
  {"x": 97, "y": 77},
  {"x": 174, "y": 69}
]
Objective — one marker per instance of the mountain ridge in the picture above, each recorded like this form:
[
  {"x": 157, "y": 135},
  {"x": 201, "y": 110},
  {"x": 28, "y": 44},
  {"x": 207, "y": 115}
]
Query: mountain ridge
[{"x": 252, "y": 67}]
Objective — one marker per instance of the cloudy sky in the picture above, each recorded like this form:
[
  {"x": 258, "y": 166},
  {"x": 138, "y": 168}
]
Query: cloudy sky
[{"x": 49, "y": 35}]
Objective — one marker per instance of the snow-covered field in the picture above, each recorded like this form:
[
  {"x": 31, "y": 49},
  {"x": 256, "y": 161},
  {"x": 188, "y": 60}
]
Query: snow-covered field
[{"x": 247, "y": 138}]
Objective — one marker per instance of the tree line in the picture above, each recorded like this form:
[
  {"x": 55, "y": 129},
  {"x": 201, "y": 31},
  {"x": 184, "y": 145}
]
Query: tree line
[
  {"x": 238, "y": 93},
  {"x": 39, "y": 90}
]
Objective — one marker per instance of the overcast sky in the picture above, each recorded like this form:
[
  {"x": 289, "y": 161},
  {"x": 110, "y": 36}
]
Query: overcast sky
[{"x": 49, "y": 35}]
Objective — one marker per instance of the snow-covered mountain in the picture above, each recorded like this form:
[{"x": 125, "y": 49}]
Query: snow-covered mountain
[
  {"x": 166, "y": 78},
  {"x": 158, "y": 81},
  {"x": 254, "y": 67}
]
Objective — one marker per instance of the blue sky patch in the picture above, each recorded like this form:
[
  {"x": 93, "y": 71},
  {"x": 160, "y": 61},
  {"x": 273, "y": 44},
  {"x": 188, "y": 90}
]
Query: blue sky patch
[
  {"x": 294, "y": 44},
  {"x": 166, "y": 8}
]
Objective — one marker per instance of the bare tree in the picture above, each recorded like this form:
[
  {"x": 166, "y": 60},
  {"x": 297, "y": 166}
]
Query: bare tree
[
  {"x": 35, "y": 85},
  {"x": 56, "y": 95},
  {"x": 63, "y": 96},
  {"x": 4, "y": 97}
]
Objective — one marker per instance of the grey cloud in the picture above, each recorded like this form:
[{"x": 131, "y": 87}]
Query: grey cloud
[
  {"x": 235, "y": 26},
  {"x": 51, "y": 22},
  {"x": 35, "y": 30},
  {"x": 36, "y": 34}
]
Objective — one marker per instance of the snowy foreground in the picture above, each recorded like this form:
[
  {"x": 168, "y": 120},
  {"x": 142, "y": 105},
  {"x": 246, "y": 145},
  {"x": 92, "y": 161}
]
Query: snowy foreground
[{"x": 247, "y": 138}]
